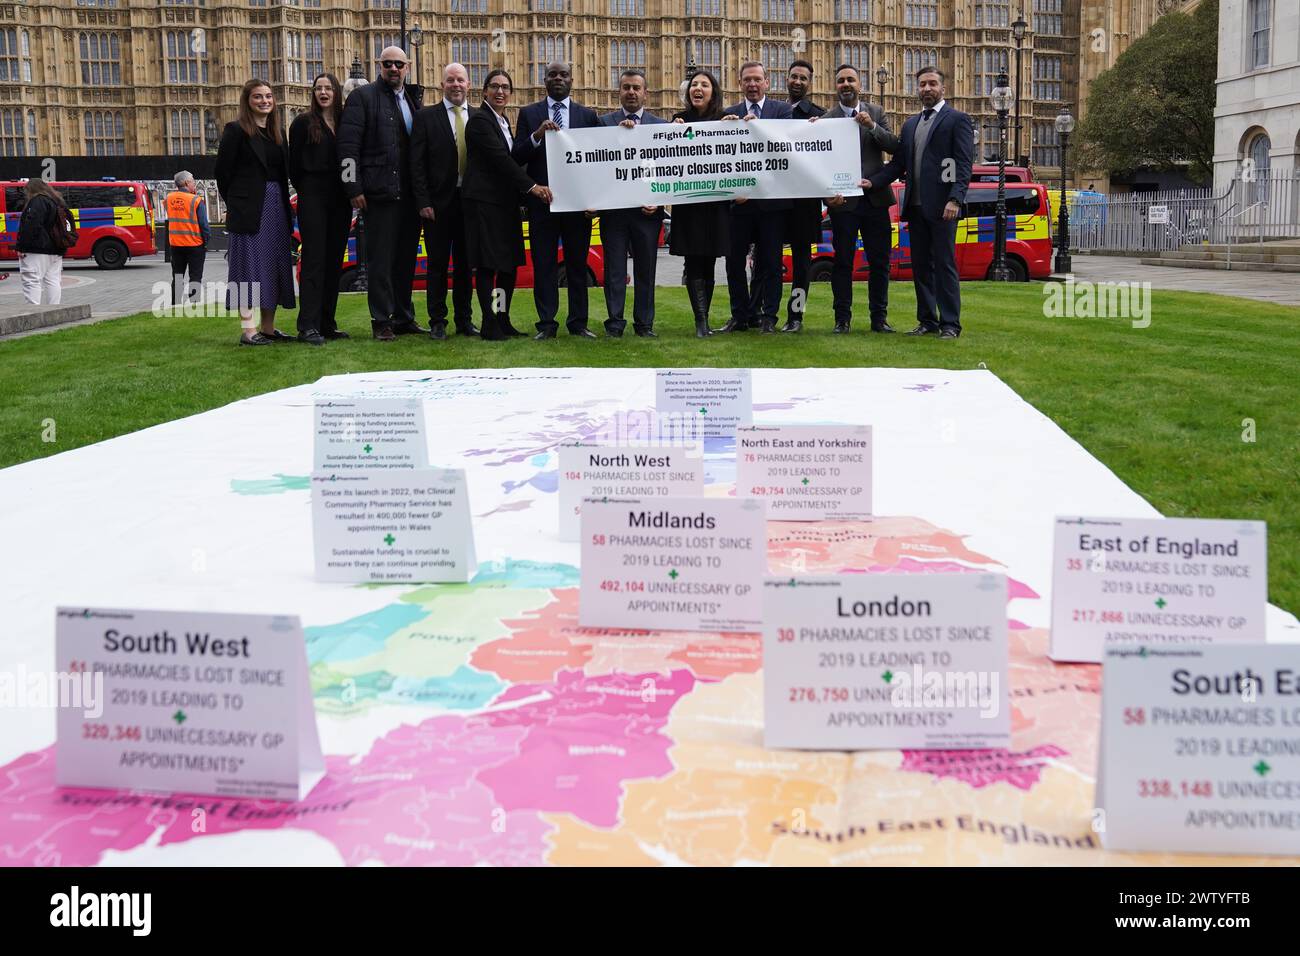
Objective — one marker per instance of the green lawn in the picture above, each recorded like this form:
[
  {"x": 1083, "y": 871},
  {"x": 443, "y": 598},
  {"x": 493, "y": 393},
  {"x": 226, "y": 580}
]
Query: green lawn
[{"x": 1163, "y": 406}]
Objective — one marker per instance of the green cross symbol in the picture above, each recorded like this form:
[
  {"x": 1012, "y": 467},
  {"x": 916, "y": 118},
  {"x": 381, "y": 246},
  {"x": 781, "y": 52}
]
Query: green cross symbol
[
  {"x": 887, "y": 676},
  {"x": 673, "y": 574},
  {"x": 389, "y": 539},
  {"x": 1261, "y": 768},
  {"x": 704, "y": 411},
  {"x": 805, "y": 481},
  {"x": 179, "y": 717},
  {"x": 1160, "y": 603},
  {"x": 366, "y": 448}
]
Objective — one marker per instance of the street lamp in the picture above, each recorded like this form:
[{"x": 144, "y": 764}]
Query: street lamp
[
  {"x": 1064, "y": 127},
  {"x": 357, "y": 79},
  {"x": 417, "y": 41},
  {"x": 1018, "y": 30},
  {"x": 1000, "y": 99},
  {"x": 882, "y": 77}
]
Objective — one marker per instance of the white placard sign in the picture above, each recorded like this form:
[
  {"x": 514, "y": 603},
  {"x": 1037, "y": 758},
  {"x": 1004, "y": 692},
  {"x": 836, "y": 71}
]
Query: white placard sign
[
  {"x": 706, "y": 401},
  {"x": 1158, "y": 215},
  {"x": 1200, "y": 749},
  {"x": 393, "y": 526},
  {"x": 672, "y": 163},
  {"x": 370, "y": 434},
  {"x": 806, "y": 472},
  {"x": 1159, "y": 581},
  {"x": 186, "y": 702},
  {"x": 681, "y": 564},
  {"x": 642, "y": 471},
  {"x": 885, "y": 661}
]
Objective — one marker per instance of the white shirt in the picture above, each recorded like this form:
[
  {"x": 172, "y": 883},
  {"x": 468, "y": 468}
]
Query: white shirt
[
  {"x": 550, "y": 113},
  {"x": 851, "y": 110},
  {"x": 501, "y": 122},
  {"x": 451, "y": 118},
  {"x": 937, "y": 106},
  {"x": 755, "y": 107}
]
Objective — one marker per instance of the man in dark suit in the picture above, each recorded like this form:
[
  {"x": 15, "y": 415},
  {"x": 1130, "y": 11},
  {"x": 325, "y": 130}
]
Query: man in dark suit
[
  {"x": 934, "y": 153},
  {"x": 374, "y": 152},
  {"x": 866, "y": 215},
  {"x": 756, "y": 222},
  {"x": 437, "y": 173},
  {"x": 803, "y": 222},
  {"x": 636, "y": 229},
  {"x": 545, "y": 228}
]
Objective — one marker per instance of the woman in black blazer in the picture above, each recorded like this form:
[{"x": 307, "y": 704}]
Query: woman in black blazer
[
  {"x": 324, "y": 213},
  {"x": 491, "y": 192},
  {"x": 252, "y": 174}
]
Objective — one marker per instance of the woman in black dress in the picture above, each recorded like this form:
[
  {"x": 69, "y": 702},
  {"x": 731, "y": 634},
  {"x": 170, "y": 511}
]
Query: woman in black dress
[
  {"x": 252, "y": 173},
  {"x": 324, "y": 213},
  {"x": 491, "y": 192},
  {"x": 700, "y": 230}
]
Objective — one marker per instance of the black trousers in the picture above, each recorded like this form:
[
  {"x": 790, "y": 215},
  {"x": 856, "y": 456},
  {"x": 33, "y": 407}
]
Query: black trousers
[
  {"x": 545, "y": 233},
  {"x": 934, "y": 271},
  {"x": 621, "y": 230},
  {"x": 800, "y": 264},
  {"x": 872, "y": 224},
  {"x": 444, "y": 242},
  {"x": 759, "y": 299},
  {"x": 495, "y": 290},
  {"x": 392, "y": 245},
  {"x": 191, "y": 259},
  {"x": 324, "y": 218}
]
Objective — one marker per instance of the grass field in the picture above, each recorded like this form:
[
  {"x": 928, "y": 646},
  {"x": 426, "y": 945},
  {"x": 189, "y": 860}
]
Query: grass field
[{"x": 1165, "y": 407}]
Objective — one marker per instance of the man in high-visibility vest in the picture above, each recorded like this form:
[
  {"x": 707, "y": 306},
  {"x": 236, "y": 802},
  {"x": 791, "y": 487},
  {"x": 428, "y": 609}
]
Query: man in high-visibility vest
[{"x": 188, "y": 234}]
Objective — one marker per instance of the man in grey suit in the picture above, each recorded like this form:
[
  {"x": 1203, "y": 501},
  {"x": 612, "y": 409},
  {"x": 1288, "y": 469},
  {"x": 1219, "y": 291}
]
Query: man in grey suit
[
  {"x": 636, "y": 229},
  {"x": 866, "y": 215}
]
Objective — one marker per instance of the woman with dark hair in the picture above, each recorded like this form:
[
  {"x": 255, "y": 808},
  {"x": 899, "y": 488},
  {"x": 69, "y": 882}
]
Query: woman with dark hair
[
  {"x": 252, "y": 173},
  {"x": 324, "y": 212},
  {"x": 45, "y": 233},
  {"x": 700, "y": 230},
  {"x": 491, "y": 191}
]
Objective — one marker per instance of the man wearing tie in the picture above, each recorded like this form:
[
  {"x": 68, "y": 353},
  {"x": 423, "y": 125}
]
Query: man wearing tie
[
  {"x": 374, "y": 144},
  {"x": 636, "y": 229},
  {"x": 935, "y": 154},
  {"x": 758, "y": 222},
  {"x": 546, "y": 229},
  {"x": 866, "y": 215},
  {"x": 437, "y": 172},
  {"x": 803, "y": 223}
]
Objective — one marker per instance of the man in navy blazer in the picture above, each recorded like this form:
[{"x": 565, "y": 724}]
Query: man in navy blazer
[
  {"x": 934, "y": 153},
  {"x": 757, "y": 222},
  {"x": 636, "y": 228},
  {"x": 545, "y": 228}
]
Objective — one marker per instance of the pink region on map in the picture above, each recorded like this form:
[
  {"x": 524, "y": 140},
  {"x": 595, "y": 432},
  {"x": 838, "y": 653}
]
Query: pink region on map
[{"x": 981, "y": 768}]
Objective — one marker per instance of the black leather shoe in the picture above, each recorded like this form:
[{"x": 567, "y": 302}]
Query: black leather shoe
[
  {"x": 406, "y": 328},
  {"x": 311, "y": 337},
  {"x": 646, "y": 333},
  {"x": 467, "y": 328},
  {"x": 438, "y": 332},
  {"x": 383, "y": 333},
  {"x": 544, "y": 334},
  {"x": 767, "y": 326},
  {"x": 840, "y": 328},
  {"x": 922, "y": 330},
  {"x": 584, "y": 334},
  {"x": 793, "y": 325},
  {"x": 275, "y": 335},
  {"x": 610, "y": 334},
  {"x": 949, "y": 334},
  {"x": 733, "y": 325},
  {"x": 333, "y": 334},
  {"x": 882, "y": 327},
  {"x": 510, "y": 332}
]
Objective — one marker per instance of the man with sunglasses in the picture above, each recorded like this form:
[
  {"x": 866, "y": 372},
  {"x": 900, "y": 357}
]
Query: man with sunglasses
[
  {"x": 374, "y": 144},
  {"x": 546, "y": 230}
]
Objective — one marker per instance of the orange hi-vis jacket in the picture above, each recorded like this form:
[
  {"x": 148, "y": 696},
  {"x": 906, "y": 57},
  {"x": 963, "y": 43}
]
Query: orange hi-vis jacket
[{"x": 183, "y": 219}]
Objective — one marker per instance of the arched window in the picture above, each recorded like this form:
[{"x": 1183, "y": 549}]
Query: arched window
[{"x": 1256, "y": 168}]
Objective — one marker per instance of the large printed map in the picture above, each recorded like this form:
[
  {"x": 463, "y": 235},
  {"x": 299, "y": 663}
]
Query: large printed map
[{"x": 478, "y": 724}]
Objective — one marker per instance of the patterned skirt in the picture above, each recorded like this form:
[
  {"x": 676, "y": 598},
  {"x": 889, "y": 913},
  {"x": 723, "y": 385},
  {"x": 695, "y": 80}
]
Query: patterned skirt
[{"x": 259, "y": 272}]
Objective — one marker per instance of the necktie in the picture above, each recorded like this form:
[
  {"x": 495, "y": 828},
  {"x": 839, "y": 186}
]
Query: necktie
[
  {"x": 635, "y": 118},
  {"x": 405, "y": 110},
  {"x": 927, "y": 114},
  {"x": 557, "y": 115},
  {"x": 460, "y": 141},
  {"x": 753, "y": 108}
]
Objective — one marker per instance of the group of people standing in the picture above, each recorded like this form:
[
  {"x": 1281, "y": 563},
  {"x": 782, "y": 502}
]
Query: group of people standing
[{"x": 460, "y": 174}]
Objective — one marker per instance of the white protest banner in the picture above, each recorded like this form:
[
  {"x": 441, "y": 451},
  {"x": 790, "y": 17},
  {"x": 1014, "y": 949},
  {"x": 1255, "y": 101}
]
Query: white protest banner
[
  {"x": 370, "y": 433},
  {"x": 886, "y": 661},
  {"x": 646, "y": 471},
  {"x": 720, "y": 400},
  {"x": 391, "y": 526},
  {"x": 680, "y": 564},
  {"x": 1166, "y": 581},
  {"x": 615, "y": 167},
  {"x": 1198, "y": 749},
  {"x": 188, "y": 702},
  {"x": 806, "y": 472}
]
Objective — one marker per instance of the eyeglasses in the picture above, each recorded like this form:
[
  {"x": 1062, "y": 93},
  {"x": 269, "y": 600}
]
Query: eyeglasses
[
  {"x": 499, "y": 87},
  {"x": 392, "y": 64}
]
